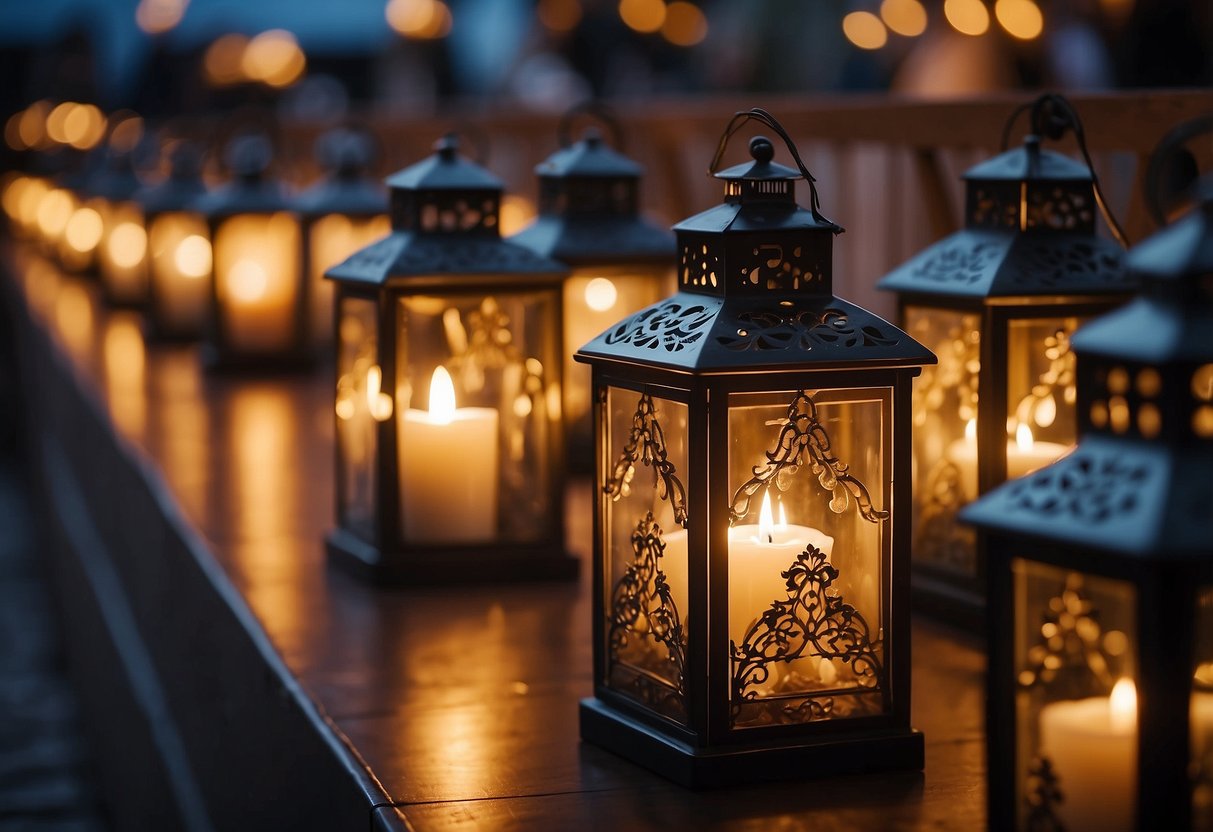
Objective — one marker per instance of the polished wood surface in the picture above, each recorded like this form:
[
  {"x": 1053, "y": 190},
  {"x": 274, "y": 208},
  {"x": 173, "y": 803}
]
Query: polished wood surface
[{"x": 461, "y": 703}]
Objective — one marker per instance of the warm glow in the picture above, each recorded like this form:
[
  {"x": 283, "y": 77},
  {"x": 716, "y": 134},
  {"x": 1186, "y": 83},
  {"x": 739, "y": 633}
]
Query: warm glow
[
  {"x": 905, "y": 17},
  {"x": 685, "y": 24},
  {"x": 84, "y": 126},
  {"x": 864, "y": 30},
  {"x": 969, "y": 17},
  {"x": 971, "y": 430},
  {"x": 13, "y": 192},
  {"x": 379, "y": 403},
  {"x": 420, "y": 19},
  {"x": 55, "y": 212},
  {"x": 248, "y": 281},
  {"x": 127, "y": 244},
  {"x": 12, "y": 132},
  {"x": 644, "y": 16},
  {"x": 30, "y": 200},
  {"x": 223, "y": 59},
  {"x": 57, "y": 121},
  {"x": 274, "y": 58},
  {"x": 32, "y": 128},
  {"x": 126, "y": 134},
  {"x": 783, "y": 518},
  {"x": 516, "y": 213},
  {"x": 158, "y": 16},
  {"x": 600, "y": 294},
  {"x": 559, "y": 15},
  {"x": 1020, "y": 18},
  {"x": 1023, "y": 437},
  {"x": 766, "y": 523},
  {"x": 1123, "y": 705},
  {"x": 442, "y": 397},
  {"x": 193, "y": 256}
]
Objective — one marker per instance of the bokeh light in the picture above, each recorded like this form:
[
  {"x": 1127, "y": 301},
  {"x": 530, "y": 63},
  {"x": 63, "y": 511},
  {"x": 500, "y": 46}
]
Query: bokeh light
[
  {"x": 1020, "y": 18},
  {"x": 905, "y": 17},
  {"x": 644, "y": 16},
  {"x": 969, "y": 17},
  {"x": 685, "y": 24},
  {"x": 864, "y": 30},
  {"x": 274, "y": 58},
  {"x": 158, "y": 16},
  {"x": 222, "y": 62},
  {"x": 419, "y": 19},
  {"x": 559, "y": 15}
]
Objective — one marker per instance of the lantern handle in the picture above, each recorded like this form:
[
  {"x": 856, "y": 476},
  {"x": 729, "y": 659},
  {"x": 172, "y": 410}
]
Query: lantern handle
[
  {"x": 1172, "y": 168},
  {"x": 598, "y": 111},
  {"x": 1051, "y": 114},
  {"x": 758, "y": 114}
]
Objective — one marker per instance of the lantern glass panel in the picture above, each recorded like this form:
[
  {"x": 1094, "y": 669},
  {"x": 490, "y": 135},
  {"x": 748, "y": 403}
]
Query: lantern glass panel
[
  {"x": 485, "y": 475},
  {"x": 1041, "y": 396},
  {"x": 76, "y": 242},
  {"x": 361, "y": 406},
  {"x": 256, "y": 284},
  {"x": 180, "y": 267},
  {"x": 1202, "y": 715},
  {"x": 945, "y": 436},
  {"x": 806, "y": 554},
  {"x": 1076, "y": 700},
  {"x": 595, "y": 299},
  {"x": 646, "y": 550},
  {"x": 124, "y": 253},
  {"x": 331, "y": 239}
]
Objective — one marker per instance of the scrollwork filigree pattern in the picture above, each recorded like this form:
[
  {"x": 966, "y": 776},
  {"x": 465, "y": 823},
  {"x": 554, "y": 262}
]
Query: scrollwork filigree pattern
[
  {"x": 961, "y": 262},
  {"x": 671, "y": 325},
  {"x": 646, "y": 444},
  {"x": 1042, "y": 261},
  {"x": 1043, "y": 797},
  {"x": 803, "y": 329},
  {"x": 803, "y": 434},
  {"x": 1088, "y": 488},
  {"x": 939, "y": 540}
]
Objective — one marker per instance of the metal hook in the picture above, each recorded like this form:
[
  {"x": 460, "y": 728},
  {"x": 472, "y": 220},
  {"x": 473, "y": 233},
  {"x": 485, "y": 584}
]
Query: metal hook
[{"x": 597, "y": 110}]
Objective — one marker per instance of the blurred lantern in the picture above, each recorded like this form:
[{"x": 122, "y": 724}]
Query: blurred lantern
[
  {"x": 121, "y": 253},
  {"x": 750, "y": 611},
  {"x": 341, "y": 214},
  {"x": 258, "y": 316},
  {"x": 1100, "y": 574},
  {"x": 997, "y": 302},
  {"x": 179, "y": 249},
  {"x": 589, "y": 219},
  {"x": 449, "y": 432}
]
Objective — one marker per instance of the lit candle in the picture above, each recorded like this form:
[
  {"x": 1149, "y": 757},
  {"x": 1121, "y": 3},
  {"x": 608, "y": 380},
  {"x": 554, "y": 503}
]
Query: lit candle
[
  {"x": 256, "y": 267},
  {"x": 180, "y": 266},
  {"x": 758, "y": 554},
  {"x": 1024, "y": 455},
  {"x": 1092, "y": 744},
  {"x": 448, "y": 469}
]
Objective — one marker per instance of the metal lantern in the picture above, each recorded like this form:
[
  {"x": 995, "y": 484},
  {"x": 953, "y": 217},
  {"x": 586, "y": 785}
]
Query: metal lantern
[
  {"x": 179, "y": 249},
  {"x": 258, "y": 310},
  {"x": 1100, "y": 574},
  {"x": 342, "y": 213},
  {"x": 998, "y": 302},
  {"x": 752, "y": 433},
  {"x": 121, "y": 253},
  {"x": 589, "y": 218},
  {"x": 449, "y": 437}
]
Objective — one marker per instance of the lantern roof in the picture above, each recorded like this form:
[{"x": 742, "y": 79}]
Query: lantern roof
[
  {"x": 181, "y": 187},
  {"x": 251, "y": 190},
  {"x": 445, "y": 170},
  {"x": 1126, "y": 489},
  {"x": 1029, "y": 162},
  {"x": 346, "y": 188},
  {"x": 590, "y": 157}
]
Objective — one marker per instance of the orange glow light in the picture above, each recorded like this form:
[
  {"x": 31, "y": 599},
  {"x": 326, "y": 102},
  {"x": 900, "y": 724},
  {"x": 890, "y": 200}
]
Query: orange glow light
[
  {"x": 158, "y": 16},
  {"x": 685, "y": 24},
  {"x": 1021, "y": 19},
  {"x": 274, "y": 58},
  {"x": 969, "y": 17},
  {"x": 644, "y": 16},
  {"x": 905, "y": 17},
  {"x": 559, "y": 15},
  {"x": 419, "y": 19},
  {"x": 223, "y": 59},
  {"x": 864, "y": 30}
]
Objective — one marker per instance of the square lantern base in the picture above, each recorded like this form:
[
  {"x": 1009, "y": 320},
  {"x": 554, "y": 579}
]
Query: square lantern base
[
  {"x": 943, "y": 601},
  {"x": 489, "y": 564},
  {"x": 699, "y": 768}
]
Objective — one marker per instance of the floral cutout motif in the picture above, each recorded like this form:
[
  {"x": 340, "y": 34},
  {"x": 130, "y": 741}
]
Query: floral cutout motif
[
  {"x": 646, "y": 444},
  {"x": 1092, "y": 489},
  {"x": 959, "y": 262},
  {"x": 671, "y": 325},
  {"x": 804, "y": 330}
]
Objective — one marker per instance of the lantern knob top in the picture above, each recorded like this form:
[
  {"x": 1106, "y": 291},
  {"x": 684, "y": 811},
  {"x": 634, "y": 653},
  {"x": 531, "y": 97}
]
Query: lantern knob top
[
  {"x": 447, "y": 147},
  {"x": 347, "y": 153},
  {"x": 249, "y": 156},
  {"x": 761, "y": 149}
]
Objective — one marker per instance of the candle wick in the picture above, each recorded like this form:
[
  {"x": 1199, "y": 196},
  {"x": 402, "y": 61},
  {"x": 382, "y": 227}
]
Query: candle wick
[{"x": 770, "y": 538}]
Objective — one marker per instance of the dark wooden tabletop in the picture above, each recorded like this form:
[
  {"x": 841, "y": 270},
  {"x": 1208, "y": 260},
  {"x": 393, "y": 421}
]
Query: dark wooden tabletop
[{"x": 461, "y": 702}]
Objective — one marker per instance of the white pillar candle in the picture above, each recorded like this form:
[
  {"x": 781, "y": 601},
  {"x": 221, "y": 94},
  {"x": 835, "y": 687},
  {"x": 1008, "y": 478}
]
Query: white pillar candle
[
  {"x": 1024, "y": 455},
  {"x": 448, "y": 469},
  {"x": 1092, "y": 744},
  {"x": 180, "y": 271},
  {"x": 257, "y": 271}
]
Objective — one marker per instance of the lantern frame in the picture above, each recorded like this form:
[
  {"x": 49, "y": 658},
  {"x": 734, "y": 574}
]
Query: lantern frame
[
  {"x": 1028, "y": 253},
  {"x": 1130, "y": 503},
  {"x": 462, "y": 262},
  {"x": 722, "y": 336}
]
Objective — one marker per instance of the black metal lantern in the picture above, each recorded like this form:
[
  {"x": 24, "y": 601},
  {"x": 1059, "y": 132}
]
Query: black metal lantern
[
  {"x": 344, "y": 212},
  {"x": 449, "y": 436},
  {"x": 589, "y": 218},
  {"x": 750, "y": 557},
  {"x": 998, "y": 302},
  {"x": 179, "y": 249},
  {"x": 1100, "y": 574},
  {"x": 121, "y": 254},
  {"x": 258, "y": 312}
]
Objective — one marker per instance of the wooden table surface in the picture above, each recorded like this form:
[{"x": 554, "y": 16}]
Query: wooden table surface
[{"x": 462, "y": 703}]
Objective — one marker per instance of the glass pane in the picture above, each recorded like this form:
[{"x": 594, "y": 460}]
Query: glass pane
[
  {"x": 180, "y": 272},
  {"x": 1202, "y": 716},
  {"x": 1076, "y": 699},
  {"x": 1041, "y": 419},
  {"x": 480, "y": 469},
  {"x": 810, "y": 479},
  {"x": 361, "y": 405},
  {"x": 257, "y": 281},
  {"x": 945, "y": 438},
  {"x": 333, "y": 238},
  {"x": 646, "y": 549},
  {"x": 123, "y": 254},
  {"x": 79, "y": 237}
]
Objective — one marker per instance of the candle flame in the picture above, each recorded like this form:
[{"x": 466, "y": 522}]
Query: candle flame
[
  {"x": 193, "y": 256},
  {"x": 442, "y": 397},
  {"x": 971, "y": 430},
  {"x": 766, "y": 523},
  {"x": 248, "y": 281},
  {"x": 1124, "y": 705},
  {"x": 783, "y": 518},
  {"x": 1023, "y": 437}
]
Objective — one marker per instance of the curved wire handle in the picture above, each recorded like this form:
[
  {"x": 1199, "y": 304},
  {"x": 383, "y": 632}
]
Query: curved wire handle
[
  {"x": 1168, "y": 153},
  {"x": 1051, "y": 116},
  {"x": 596, "y": 110},
  {"x": 758, "y": 114}
]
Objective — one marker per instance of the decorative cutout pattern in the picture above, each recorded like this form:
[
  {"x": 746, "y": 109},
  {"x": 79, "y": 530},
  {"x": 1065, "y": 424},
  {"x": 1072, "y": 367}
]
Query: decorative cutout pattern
[
  {"x": 803, "y": 330},
  {"x": 773, "y": 268},
  {"x": 1059, "y": 209},
  {"x": 994, "y": 207},
  {"x": 1041, "y": 261},
  {"x": 645, "y": 629},
  {"x": 814, "y": 621},
  {"x": 959, "y": 262},
  {"x": 1069, "y": 658},
  {"x": 1090, "y": 490},
  {"x": 646, "y": 443},
  {"x": 1043, "y": 797},
  {"x": 447, "y": 213},
  {"x": 801, "y": 435},
  {"x": 699, "y": 266},
  {"x": 670, "y": 325},
  {"x": 938, "y": 539}
]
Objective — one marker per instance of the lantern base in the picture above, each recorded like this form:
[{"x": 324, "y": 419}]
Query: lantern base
[
  {"x": 215, "y": 361},
  {"x": 795, "y": 759},
  {"x": 943, "y": 601},
  {"x": 466, "y": 565}
]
